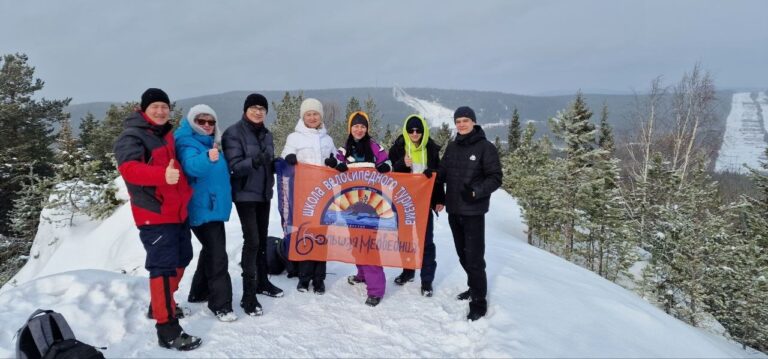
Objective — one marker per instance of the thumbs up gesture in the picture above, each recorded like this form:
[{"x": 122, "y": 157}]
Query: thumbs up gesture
[
  {"x": 171, "y": 174},
  {"x": 213, "y": 153}
]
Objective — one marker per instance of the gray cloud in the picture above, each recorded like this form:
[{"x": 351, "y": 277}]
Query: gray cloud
[{"x": 111, "y": 51}]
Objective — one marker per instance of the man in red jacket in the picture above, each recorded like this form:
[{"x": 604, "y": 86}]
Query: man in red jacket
[{"x": 159, "y": 192}]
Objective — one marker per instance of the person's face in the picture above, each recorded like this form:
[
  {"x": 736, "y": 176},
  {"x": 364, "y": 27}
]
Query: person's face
[
  {"x": 358, "y": 131},
  {"x": 256, "y": 114},
  {"x": 158, "y": 112},
  {"x": 464, "y": 125},
  {"x": 206, "y": 122},
  {"x": 312, "y": 119},
  {"x": 415, "y": 135}
]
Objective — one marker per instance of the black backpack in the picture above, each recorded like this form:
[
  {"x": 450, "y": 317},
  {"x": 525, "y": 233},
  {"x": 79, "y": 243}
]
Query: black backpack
[
  {"x": 47, "y": 335},
  {"x": 275, "y": 263}
]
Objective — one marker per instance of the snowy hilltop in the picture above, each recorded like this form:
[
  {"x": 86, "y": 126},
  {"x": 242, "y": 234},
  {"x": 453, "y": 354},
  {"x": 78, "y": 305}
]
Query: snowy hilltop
[
  {"x": 745, "y": 132},
  {"x": 540, "y": 305}
]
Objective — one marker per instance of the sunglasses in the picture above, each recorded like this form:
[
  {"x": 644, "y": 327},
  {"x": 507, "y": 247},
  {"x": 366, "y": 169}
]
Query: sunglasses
[
  {"x": 205, "y": 122},
  {"x": 416, "y": 130}
]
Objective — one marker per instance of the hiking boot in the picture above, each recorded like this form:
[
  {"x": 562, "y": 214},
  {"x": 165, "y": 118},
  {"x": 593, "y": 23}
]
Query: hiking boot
[
  {"x": 404, "y": 277},
  {"x": 225, "y": 316},
  {"x": 303, "y": 286},
  {"x": 464, "y": 295},
  {"x": 353, "y": 279},
  {"x": 183, "y": 342},
  {"x": 251, "y": 306},
  {"x": 269, "y": 289},
  {"x": 179, "y": 312},
  {"x": 476, "y": 313},
  {"x": 197, "y": 299},
  {"x": 372, "y": 301},
  {"x": 318, "y": 286},
  {"x": 426, "y": 289}
]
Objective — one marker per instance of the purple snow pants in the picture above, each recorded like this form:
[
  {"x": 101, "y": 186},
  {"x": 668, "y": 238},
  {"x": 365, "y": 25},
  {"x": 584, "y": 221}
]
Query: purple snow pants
[{"x": 374, "y": 279}]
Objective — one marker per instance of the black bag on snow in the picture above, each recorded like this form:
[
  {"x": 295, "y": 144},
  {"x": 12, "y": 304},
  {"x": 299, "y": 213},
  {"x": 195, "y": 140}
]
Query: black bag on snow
[
  {"x": 275, "y": 263},
  {"x": 47, "y": 335}
]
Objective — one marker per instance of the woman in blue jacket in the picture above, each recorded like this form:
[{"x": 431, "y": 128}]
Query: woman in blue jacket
[{"x": 197, "y": 141}]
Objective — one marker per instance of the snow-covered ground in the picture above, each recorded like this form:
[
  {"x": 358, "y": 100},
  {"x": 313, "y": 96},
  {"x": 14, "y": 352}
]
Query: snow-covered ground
[
  {"x": 540, "y": 305},
  {"x": 744, "y": 137},
  {"x": 435, "y": 113}
]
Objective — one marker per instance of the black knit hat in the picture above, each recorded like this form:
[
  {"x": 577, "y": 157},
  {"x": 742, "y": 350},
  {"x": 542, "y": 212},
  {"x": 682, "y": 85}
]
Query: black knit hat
[
  {"x": 358, "y": 119},
  {"x": 255, "y": 99},
  {"x": 152, "y": 95},
  {"x": 465, "y": 111},
  {"x": 414, "y": 122}
]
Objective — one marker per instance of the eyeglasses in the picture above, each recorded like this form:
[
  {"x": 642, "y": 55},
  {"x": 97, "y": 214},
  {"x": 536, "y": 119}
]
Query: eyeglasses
[
  {"x": 416, "y": 130},
  {"x": 260, "y": 109},
  {"x": 202, "y": 122}
]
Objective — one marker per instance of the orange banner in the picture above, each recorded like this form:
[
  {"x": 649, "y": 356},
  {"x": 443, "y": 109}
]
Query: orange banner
[{"x": 359, "y": 216}]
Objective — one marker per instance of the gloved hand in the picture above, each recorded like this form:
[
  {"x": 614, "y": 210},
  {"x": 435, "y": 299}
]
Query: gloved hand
[
  {"x": 331, "y": 161},
  {"x": 467, "y": 194},
  {"x": 428, "y": 173},
  {"x": 261, "y": 159},
  {"x": 383, "y": 167},
  {"x": 342, "y": 167},
  {"x": 291, "y": 159}
]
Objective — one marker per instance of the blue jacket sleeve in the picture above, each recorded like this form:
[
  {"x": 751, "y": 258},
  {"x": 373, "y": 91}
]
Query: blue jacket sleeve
[{"x": 194, "y": 161}]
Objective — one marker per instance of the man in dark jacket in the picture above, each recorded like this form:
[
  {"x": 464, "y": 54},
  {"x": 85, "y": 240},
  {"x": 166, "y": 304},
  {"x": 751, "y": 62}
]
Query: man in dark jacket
[
  {"x": 249, "y": 150},
  {"x": 415, "y": 152},
  {"x": 159, "y": 193},
  {"x": 471, "y": 171}
]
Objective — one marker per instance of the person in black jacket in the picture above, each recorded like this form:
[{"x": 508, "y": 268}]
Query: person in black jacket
[
  {"x": 471, "y": 171},
  {"x": 415, "y": 152},
  {"x": 249, "y": 150}
]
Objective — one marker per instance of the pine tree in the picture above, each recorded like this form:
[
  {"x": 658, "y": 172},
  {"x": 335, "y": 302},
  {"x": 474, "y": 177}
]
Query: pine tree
[
  {"x": 88, "y": 126},
  {"x": 578, "y": 133},
  {"x": 389, "y": 137},
  {"x": 499, "y": 148},
  {"x": 513, "y": 136},
  {"x": 100, "y": 145},
  {"x": 26, "y": 131},
  {"x": 442, "y": 136},
  {"x": 288, "y": 111},
  {"x": 374, "y": 117}
]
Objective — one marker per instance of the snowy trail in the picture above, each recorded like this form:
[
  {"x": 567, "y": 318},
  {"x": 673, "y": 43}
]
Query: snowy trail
[
  {"x": 435, "y": 113},
  {"x": 744, "y": 138},
  {"x": 540, "y": 306}
]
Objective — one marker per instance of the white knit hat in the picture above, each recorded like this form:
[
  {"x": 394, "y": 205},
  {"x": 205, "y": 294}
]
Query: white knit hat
[
  {"x": 310, "y": 104},
  {"x": 197, "y": 110}
]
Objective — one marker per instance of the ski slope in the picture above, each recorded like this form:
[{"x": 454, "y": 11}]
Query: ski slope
[
  {"x": 745, "y": 132},
  {"x": 435, "y": 113},
  {"x": 540, "y": 305}
]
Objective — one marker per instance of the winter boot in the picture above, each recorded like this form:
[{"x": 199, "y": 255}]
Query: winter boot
[
  {"x": 171, "y": 336},
  {"x": 353, "y": 279},
  {"x": 464, "y": 295},
  {"x": 426, "y": 289},
  {"x": 372, "y": 301},
  {"x": 178, "y": 312},
  {"x": 249, "y": 303},
  {"x": 225, "y": 316},
  {"x": 404, "y": 277},
  {"x": 477, "y": 309},
  {"x": 318, "y": 286},
  {"x": 303, "y": 286},
  {"x": 267, "y": 288}
]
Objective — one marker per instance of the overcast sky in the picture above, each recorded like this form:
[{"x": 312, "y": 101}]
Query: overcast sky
[{"x": 113, "y": 50}]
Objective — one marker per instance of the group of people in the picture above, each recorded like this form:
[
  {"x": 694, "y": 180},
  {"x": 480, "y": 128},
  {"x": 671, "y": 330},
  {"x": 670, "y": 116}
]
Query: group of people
[{"x": 186, "y": 180}]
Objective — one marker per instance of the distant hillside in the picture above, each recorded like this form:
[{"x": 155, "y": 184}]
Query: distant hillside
[{"x": 491, "y": 107}]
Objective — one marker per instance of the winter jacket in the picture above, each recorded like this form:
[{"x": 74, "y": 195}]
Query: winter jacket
[
  {"x": 379, "y": 155},
  {"x": 212, "y": 193},
  {"x": 243, "y": 142},
  {"x": 310, "y": 145},
  {"x": 471, "y": 163},
  {"x": 428, "y": 149},
  {"x": 143, "y": 151}
]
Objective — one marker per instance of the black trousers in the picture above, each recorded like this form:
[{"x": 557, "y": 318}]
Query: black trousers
[
  {"x": 469, "y": 238},
  {"x": 211, "y": 278},
  {"x": 254, "y": 218},
  {"x": 428, "y": 264},
  {"x": 311, "y": 270}
]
